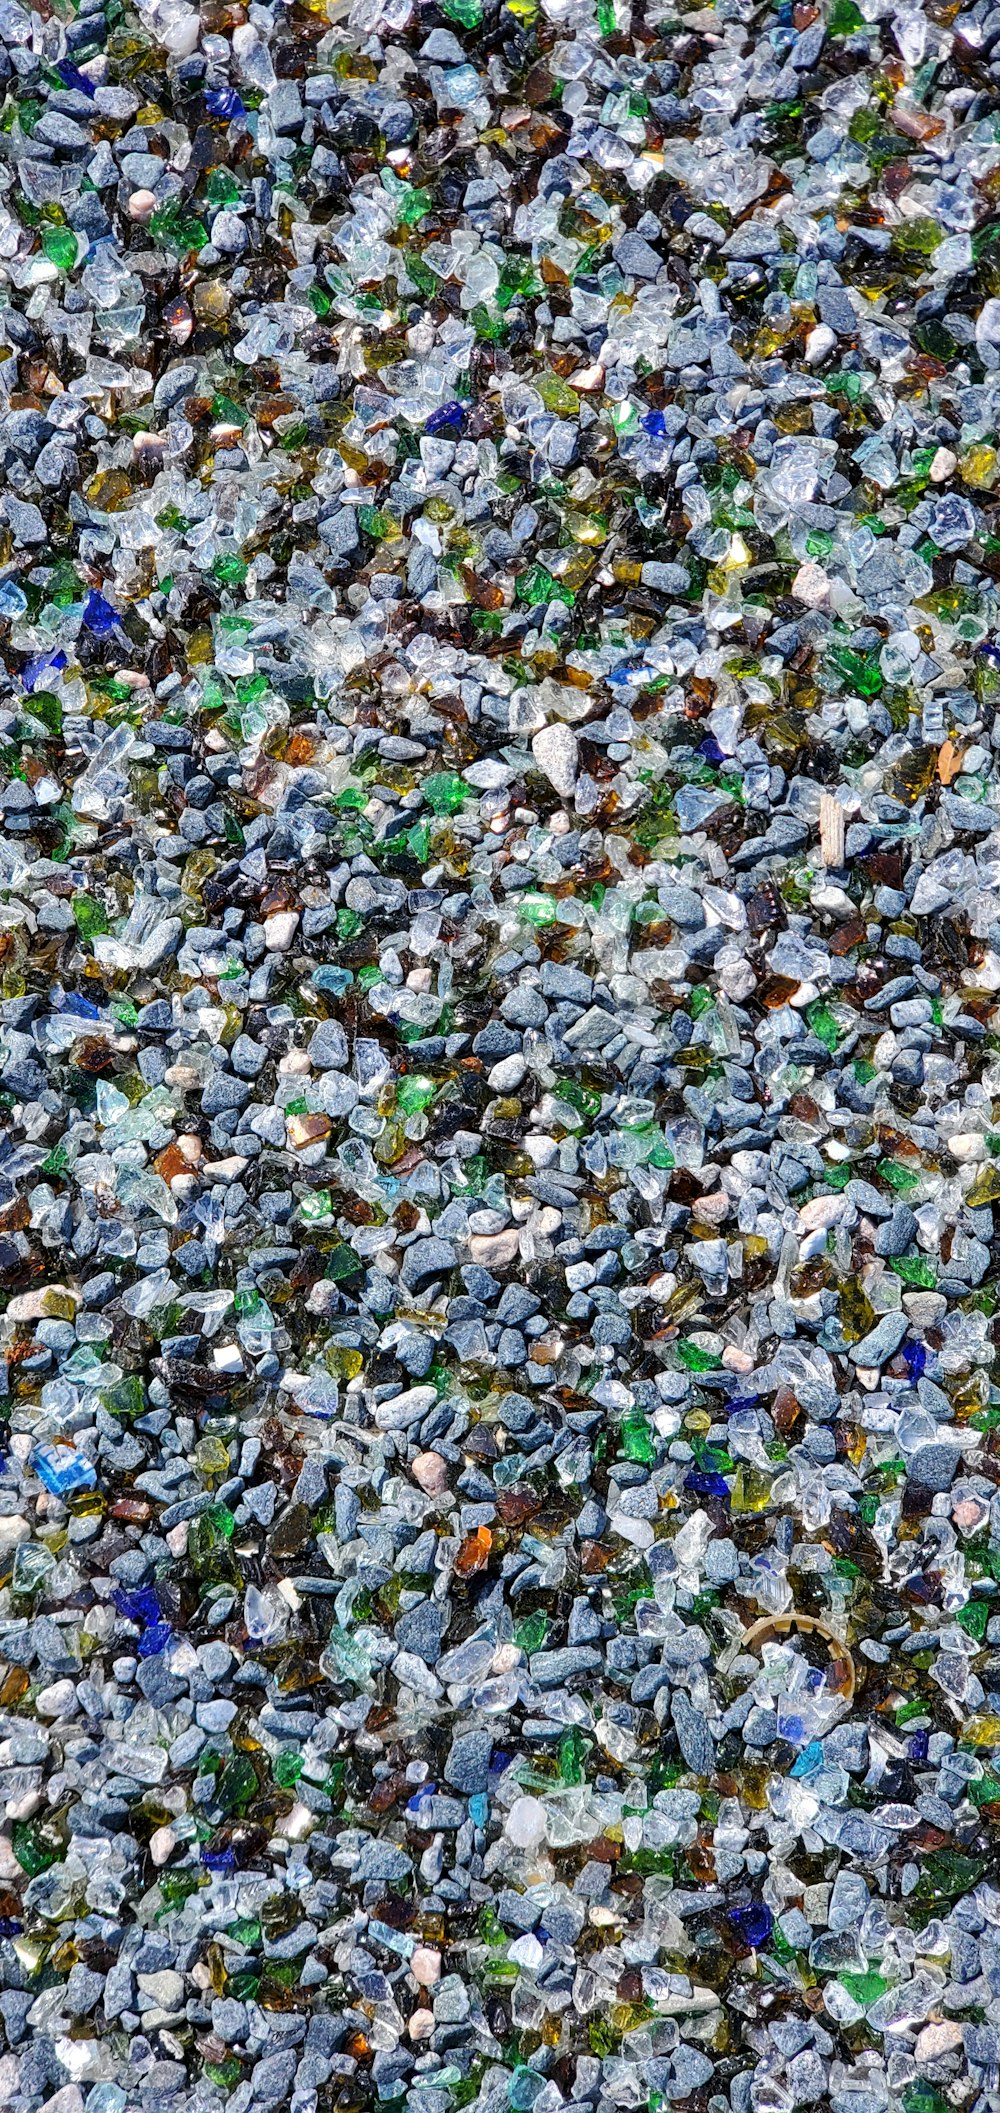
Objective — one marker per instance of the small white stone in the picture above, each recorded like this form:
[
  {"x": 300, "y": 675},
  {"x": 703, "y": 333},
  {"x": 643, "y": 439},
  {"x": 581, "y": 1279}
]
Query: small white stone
[
  {"x": 430, "y": 1471},
  {"x": 165, "y": 1987},
  {"x": 421, "y": 2025},
  {"x": 967, "y": 1145},
  {"x": 821, "y": 1212},
  {"x": 820, "y": 341},
  {"x": 526, "y": 1823},
  {"x": 162, "y": 1845},
  {"x": 713, "y": 1209},
  {"x": 506, "y": 1075},
  {"x": 279, "y": 931},
  {"x": 25, "y": 1808},
  {"x": 492, "y": 1250},
  {"x": 936, "y": 2040},
  {"x": 141, "y": 206},
  {"x": 541, "y": 1150},
  {"x": 59, "y": 1700},
  {"x": 944, "y": 465},
  {"x": 811, "y": 584},
  {"x": 180, "y": 34},
  {"x": 834, "y": 901},
  {"x": 224, "y": 1170},
  {"x": 556, "y": 752},
  {"x": 425, "y": 1966}
]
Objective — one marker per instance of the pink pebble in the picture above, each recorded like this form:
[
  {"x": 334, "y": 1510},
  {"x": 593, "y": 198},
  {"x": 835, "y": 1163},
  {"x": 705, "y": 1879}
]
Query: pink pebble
[{"x": 430, "y": 1471}]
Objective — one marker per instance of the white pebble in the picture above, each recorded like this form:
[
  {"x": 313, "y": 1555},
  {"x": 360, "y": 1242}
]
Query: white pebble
[
  {"x": 526, "y": 1823},
  {"x": 556, "y": 752},
  {"x": 279, "y": 931}
]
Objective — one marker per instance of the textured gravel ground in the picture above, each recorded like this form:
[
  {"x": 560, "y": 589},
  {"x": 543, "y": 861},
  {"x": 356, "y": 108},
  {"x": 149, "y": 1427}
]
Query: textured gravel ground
[{"x": 499, "y": 1056}]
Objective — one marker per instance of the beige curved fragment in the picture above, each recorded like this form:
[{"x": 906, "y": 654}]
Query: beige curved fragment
[{"x": 781, "y": 1625}]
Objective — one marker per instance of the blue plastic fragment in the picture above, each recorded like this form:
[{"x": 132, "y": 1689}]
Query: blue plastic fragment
[{"x": 62, "y": 1469}]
